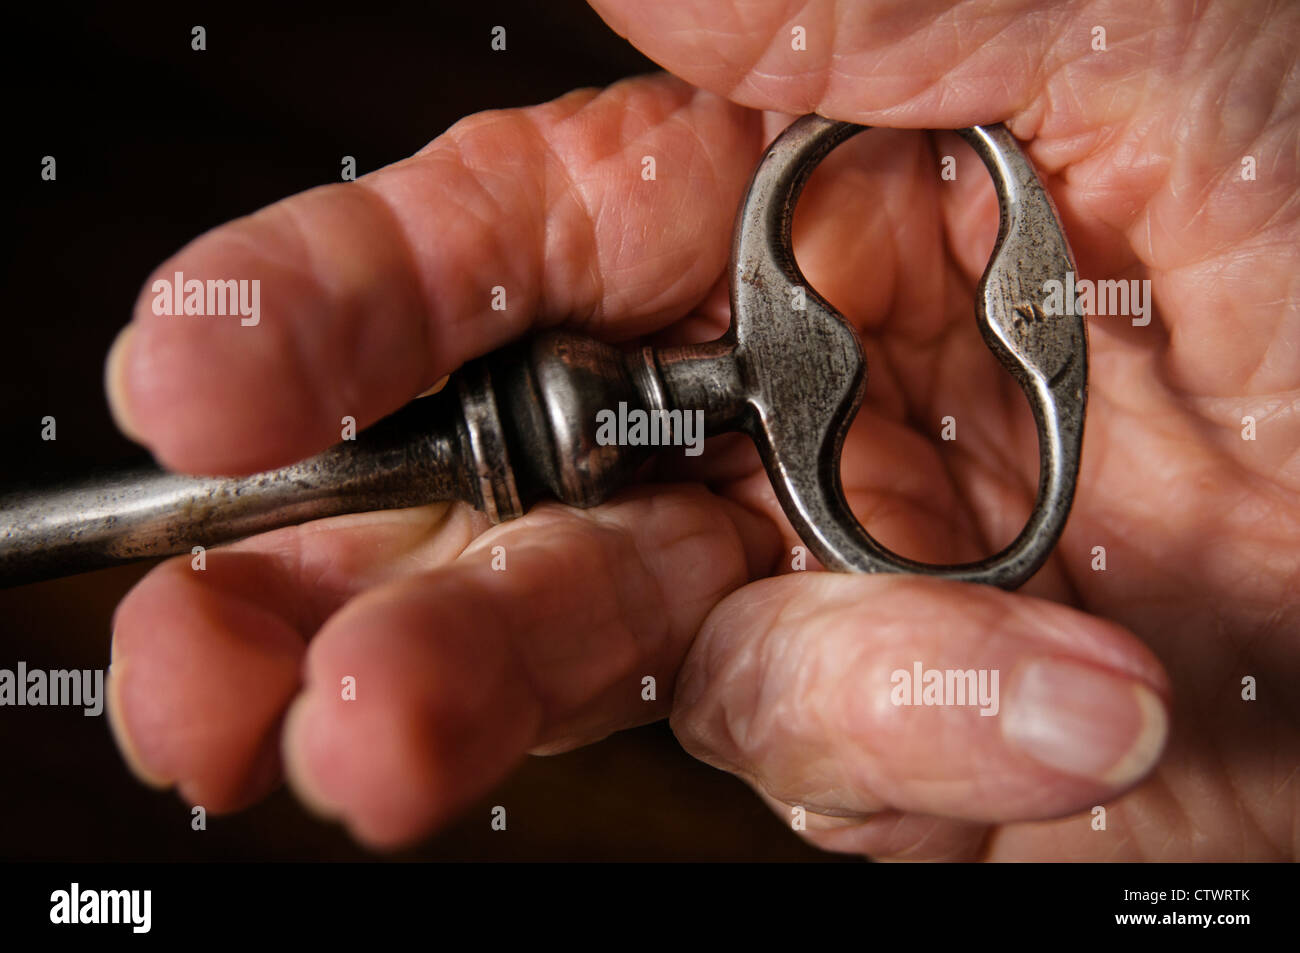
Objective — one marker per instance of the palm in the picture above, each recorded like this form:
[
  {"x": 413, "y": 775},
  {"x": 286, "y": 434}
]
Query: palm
[
  {"x": 1186, "y": 510},
  {"x": 1191, "y": 517}
]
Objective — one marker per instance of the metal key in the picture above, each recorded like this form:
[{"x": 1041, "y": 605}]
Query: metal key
[{"x": 520, "y": 424}]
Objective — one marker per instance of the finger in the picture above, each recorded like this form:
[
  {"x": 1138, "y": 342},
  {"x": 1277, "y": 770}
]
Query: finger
[
  {"x": 203, "y": 665},
  {"x": 459, "y": 672},
  {"x": 803, "y": 685},
  {"x": 370, "y": 291},
  {"x": 206, "y": 660},
  {"x": 887, "y": 835},
  {"x": 911, "y": 66}
]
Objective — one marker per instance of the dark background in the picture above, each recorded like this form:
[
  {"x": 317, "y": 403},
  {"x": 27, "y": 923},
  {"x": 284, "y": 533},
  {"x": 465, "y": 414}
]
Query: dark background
[{"x": 154, "y": 144}]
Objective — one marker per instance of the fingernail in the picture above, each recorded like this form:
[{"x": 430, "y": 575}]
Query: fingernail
[
  {"x": 1084, "y": 721},
  {"x": 117, "y": 724},
  {"x": 115, "y": 382},
  {"x": 442, "y": 382}
]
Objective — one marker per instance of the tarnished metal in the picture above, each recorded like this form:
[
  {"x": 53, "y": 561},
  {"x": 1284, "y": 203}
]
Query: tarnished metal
[
  {"x": 522, "y": 423},
  {"x": 410, "y": 458},
  {"x": 806, "y": 374}
]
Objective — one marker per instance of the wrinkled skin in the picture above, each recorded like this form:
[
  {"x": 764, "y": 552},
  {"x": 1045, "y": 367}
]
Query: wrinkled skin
[{"x": 1119, "y": 687}]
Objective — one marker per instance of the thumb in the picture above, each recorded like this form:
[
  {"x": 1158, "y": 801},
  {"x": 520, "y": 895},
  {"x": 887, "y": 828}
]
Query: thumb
[
  {"x": 806, "y": 686},
  {"x": 905, "y": 66}
]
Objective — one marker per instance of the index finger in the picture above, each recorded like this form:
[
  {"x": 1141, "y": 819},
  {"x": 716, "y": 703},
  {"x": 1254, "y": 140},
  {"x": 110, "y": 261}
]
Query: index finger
[{"x": 354, "y": 298}]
